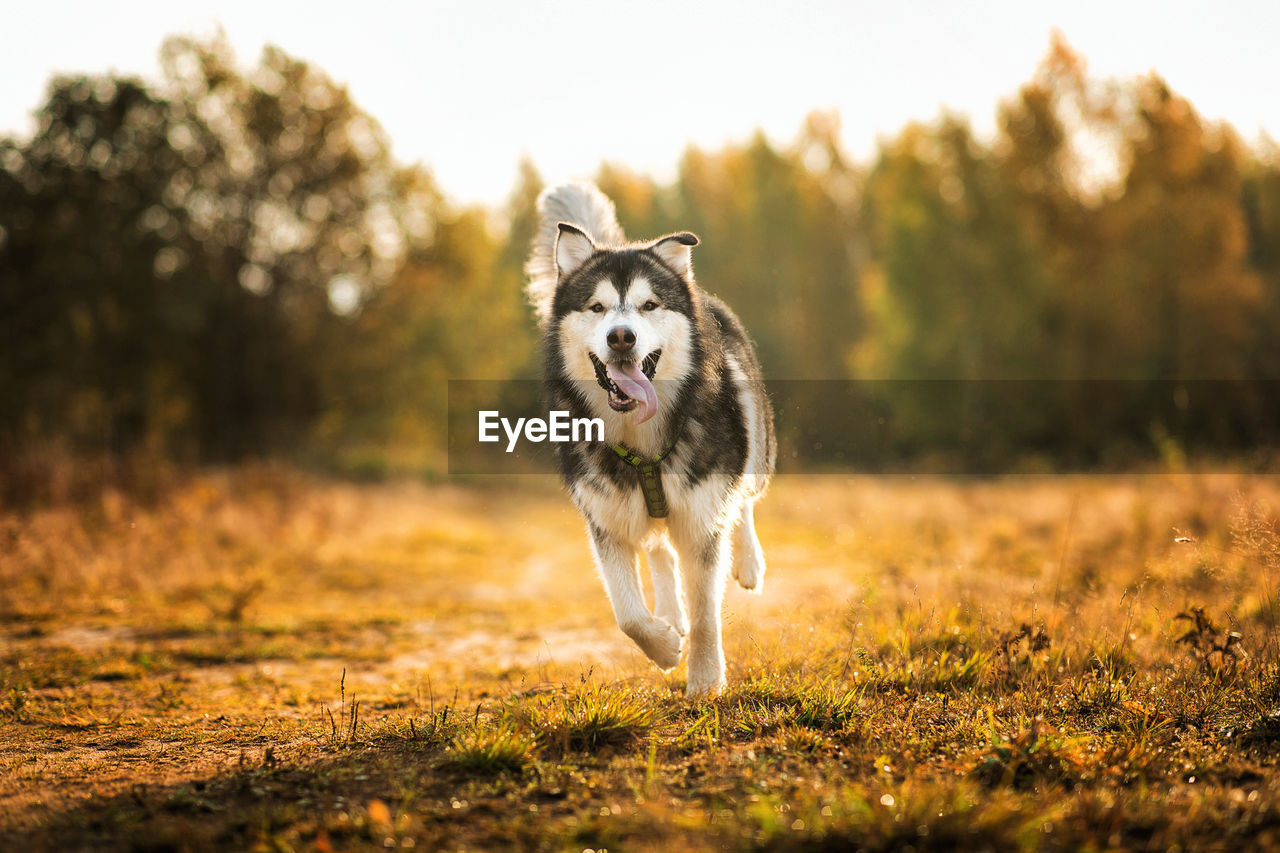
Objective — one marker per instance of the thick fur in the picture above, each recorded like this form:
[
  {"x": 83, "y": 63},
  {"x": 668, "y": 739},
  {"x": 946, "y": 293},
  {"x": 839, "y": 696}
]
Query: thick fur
[
  {"x": 584, "y": 280},
  {"x": 579, "y": 204}
]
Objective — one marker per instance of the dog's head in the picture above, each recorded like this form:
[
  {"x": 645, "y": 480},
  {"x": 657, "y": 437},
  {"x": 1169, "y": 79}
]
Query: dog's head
[{"x": 624, "y": 317}]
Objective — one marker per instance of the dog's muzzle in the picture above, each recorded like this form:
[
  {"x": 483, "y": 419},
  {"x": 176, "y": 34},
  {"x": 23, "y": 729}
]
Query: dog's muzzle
[{"x": 619, "y": 400}]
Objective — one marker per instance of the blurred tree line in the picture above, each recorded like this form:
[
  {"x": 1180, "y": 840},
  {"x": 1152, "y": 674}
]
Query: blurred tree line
[{"x": 229, "y": 262}]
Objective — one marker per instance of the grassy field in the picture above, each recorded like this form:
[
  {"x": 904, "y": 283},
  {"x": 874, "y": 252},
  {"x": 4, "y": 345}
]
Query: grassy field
[{"x": 258, "y": 660}]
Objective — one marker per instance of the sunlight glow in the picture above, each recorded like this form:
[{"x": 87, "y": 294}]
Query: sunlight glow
[
  {"x": 344, "y": 295},
  {"x": 470, "y": 88}
]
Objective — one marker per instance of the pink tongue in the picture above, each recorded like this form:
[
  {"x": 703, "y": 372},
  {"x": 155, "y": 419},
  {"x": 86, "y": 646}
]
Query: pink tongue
[{"x": 637, "y": 386}]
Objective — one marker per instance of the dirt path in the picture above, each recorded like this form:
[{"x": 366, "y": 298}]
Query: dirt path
[{"x": 160, "y": 664}]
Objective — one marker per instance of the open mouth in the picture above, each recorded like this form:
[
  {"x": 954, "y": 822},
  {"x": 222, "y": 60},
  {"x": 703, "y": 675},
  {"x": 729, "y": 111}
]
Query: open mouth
[{"x": 628, "y": 387}]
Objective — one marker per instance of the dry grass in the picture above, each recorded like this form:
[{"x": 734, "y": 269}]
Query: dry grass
[{"x": 1021, "y": 664}]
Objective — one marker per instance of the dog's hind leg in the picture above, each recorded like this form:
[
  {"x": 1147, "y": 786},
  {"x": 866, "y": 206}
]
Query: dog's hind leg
[
  {"x": 619, "y": 568},
  {"x": 668, "y": 603},
  {"x": 748, "y": 558}
]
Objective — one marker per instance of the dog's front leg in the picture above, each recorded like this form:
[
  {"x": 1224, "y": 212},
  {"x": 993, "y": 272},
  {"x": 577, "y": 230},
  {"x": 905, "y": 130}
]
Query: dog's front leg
[
  {"x": 703, "y": 558},
  {"x": 619, "y": 568}
]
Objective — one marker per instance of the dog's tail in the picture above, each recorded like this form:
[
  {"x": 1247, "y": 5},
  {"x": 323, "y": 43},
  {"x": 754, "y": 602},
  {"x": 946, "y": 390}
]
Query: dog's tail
[{"x": 579, "y": 204}]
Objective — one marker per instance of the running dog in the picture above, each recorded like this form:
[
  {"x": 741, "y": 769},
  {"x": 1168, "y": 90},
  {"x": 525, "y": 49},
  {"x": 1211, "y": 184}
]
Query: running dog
[{"x": 689, "y": 446}]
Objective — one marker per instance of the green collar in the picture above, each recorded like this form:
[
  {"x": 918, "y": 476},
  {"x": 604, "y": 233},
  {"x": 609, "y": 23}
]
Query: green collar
[{"x": 655, "y": 499}]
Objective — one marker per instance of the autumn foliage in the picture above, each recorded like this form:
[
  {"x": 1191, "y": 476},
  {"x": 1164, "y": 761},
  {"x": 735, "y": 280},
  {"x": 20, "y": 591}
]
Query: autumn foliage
[{"x": 230, "y": 262}]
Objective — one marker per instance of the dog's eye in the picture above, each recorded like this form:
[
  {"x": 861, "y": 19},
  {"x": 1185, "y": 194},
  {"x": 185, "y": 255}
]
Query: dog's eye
[
  {"x": 649, "y": 306},
  {"x": 597, "y": 308}
]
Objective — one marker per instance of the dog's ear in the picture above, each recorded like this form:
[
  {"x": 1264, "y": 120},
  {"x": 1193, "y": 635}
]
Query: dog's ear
[
  {"x": 675, "y": 250},
  {"x": 573, "y": 247}
]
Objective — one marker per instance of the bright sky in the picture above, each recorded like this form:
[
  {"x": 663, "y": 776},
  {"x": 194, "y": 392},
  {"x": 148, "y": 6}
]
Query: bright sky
[{"x": 468, "y": 87}]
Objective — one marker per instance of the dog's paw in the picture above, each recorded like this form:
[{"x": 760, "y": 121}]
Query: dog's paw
[
  {"x": 749, "y": 574},
  {"x": 657, "y": 639}
]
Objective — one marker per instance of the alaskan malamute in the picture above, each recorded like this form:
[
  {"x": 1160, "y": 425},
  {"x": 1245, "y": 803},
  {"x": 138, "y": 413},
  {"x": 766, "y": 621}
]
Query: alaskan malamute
[{"x": 689, "y": 444}]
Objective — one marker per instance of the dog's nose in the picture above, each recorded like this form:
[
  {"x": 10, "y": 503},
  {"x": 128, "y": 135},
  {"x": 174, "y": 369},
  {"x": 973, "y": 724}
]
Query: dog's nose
[{"x": 621, "y": 338}]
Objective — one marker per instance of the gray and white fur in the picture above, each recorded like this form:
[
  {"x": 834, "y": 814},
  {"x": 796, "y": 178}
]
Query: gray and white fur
[{"x": 630, "y": 338}]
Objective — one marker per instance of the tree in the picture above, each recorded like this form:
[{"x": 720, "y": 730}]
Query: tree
[{"x": 175, "y": 256}]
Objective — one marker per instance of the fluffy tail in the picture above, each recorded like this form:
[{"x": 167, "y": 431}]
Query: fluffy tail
[{"x": 579, "y": 204}]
